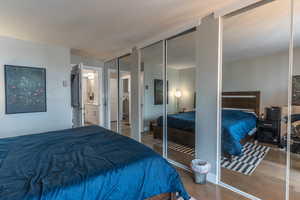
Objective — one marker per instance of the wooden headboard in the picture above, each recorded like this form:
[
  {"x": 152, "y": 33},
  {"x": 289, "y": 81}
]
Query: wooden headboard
[{"x": 249, "y": 100}]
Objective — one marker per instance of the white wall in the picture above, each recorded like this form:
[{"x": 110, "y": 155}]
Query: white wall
[
  {"x": 207, "y": 92},
  {"x": 56, "y": 60},
  {"x": 187, "y": 83},
  {"x": 268, "y": 74},
  {"x": 182, "y": 79},
  {"x": 88, "y": 61},
  {"x": 153, "y": 71},
  {"x": 174, "y": 84}
]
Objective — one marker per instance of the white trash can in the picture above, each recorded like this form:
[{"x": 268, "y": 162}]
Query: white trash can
[{"x": 200, "y": 169}]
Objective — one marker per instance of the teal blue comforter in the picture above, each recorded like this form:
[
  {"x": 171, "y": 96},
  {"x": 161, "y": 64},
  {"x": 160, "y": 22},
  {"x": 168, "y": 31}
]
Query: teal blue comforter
[
  {"x": 236, "y": 125},
  {"x": 89, "y": 163}
]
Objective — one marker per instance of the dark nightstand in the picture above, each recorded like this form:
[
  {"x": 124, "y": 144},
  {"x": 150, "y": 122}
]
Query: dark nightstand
[
  {"x": 268, "y": 131},
  {"x": 153, "y": 124}
]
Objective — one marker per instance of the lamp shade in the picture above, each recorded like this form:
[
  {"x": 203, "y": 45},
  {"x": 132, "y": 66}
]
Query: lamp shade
[{"x": 178, "y": 94}]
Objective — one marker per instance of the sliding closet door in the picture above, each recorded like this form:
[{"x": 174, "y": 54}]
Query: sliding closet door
[
  {"x": 152, "y": 83},
  {"x": 125, "y": 77},
  {"x": 181, "y": 78},
  {"x": 255, "y": 99},
  {"x": 295, "y": 110}
]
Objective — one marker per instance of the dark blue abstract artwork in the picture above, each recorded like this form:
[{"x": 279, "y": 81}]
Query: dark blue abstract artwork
[{"x": 25, "y": 89}]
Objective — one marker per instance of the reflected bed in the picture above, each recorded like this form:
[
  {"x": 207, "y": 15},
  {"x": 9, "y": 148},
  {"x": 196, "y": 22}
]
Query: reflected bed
[{"x": 239, "y": 118}]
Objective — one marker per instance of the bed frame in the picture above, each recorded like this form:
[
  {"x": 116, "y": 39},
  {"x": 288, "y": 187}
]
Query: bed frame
[
  {"x": 247, "y": 100},
  {"x": 166, "y": 196},
  {"x": 175, "y": 135}
]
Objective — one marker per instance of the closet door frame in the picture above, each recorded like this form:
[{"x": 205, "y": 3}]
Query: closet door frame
[
  {"x": 221, "y": 14},
  {"x": 165, "y": 94}
]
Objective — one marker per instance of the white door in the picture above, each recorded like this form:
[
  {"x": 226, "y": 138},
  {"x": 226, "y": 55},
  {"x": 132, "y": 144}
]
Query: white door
[{"x": 76, "y": 96}]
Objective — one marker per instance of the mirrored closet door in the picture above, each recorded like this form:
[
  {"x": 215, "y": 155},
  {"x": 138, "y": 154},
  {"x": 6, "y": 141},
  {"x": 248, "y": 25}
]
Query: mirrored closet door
[
  {"x": 181, "y": 93},
  {"x": 152, "y": 95},
  {"x": 295, "y": 110},
  {"x": 255, "y": 99}
]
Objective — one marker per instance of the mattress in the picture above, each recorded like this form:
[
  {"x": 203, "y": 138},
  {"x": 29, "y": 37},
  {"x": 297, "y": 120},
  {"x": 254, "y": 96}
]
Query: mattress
[{"x": 83, "y": 163}]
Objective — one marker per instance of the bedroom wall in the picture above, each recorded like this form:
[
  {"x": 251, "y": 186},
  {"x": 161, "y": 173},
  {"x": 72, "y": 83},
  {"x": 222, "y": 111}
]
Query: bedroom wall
[
  {"x": 207, "y": 93},
  {"x": 152, "y": 71},
  {"x": 88, "y": 61},
  {"x": 187, "y": 83},
  {"x": 56, "y": 60},
  {"x": 268, "y": 74}
]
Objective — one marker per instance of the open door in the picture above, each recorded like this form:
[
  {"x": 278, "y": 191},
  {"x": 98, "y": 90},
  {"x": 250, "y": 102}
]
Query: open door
[
  {"x": 76, "y": 96},
  {"x": 92, "y": 95}
]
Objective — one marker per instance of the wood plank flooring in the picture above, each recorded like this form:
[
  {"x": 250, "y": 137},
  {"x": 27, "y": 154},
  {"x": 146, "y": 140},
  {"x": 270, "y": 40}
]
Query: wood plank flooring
[
  {"x": 266, "y": 183},
  {"x": 207, "y": 191}
]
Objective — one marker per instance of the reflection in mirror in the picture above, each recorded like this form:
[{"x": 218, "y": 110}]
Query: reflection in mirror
[
  {"x": 125, "y": 95},
  {"x": 181, "y": 76},
  {"x": 151, "y": 94},
  {"x": 255, "y": 99},
  {"x": 295, "y": 111},
  {"x": 113, "y": 95}
]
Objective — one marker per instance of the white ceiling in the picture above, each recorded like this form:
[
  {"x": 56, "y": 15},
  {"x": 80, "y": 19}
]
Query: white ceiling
[
  {"x": 98, "y": 27},
  {"x": 181, "y": 52},
  {"x": 261, "y": 31},
  {"x": 104, "y": 27}
]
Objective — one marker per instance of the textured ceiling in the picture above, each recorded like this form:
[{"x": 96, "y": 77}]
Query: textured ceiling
[
  {"x": 104, "y": 27},
  {"x": 97, "y": 27},
  {"x": 260, "y": 31}
]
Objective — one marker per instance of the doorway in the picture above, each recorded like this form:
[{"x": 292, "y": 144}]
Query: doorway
[
  {"x": 89, "y": 90},
  {"x": 125, "y": 103}
]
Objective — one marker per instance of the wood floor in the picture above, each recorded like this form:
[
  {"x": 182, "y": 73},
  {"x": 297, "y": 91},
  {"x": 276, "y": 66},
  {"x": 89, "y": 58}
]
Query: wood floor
[
  {"x": 267, "y": 182},
  {"x": 207, "y": 191}
]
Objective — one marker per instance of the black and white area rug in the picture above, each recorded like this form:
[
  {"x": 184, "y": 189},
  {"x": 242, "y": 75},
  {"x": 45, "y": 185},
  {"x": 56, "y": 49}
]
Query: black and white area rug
[
  {"x": 181, "y": 148},
  {"x": 246, "y": 164}
]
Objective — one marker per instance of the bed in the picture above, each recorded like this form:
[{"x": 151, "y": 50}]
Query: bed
[
  {"x": 84, "y": 163},
  {"x": 179, "y": 125},
  {"x": 239, "y": 117}
]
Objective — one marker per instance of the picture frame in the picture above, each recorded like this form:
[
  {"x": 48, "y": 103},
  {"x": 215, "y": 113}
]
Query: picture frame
[
  {"x": 25, "y": 89},
  {"x": 159, "y": 92},
  {"x": 296, "y": 90}
]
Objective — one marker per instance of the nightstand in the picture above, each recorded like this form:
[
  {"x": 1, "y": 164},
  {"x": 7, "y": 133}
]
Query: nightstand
[
  {"x": 153, "y": 124},
  {"x": 268, "y": 131}
]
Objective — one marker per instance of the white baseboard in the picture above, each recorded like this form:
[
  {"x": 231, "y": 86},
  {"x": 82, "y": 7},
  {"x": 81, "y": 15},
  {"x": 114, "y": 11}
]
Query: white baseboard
[
  {"x": 212, "y": 178},
  {"x": 233, "y": 189}
]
